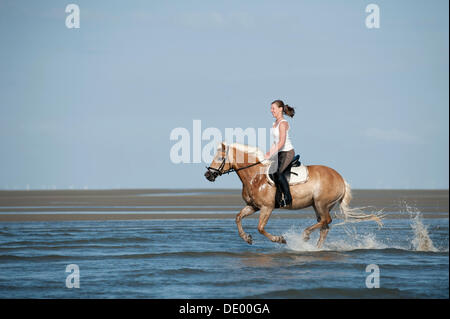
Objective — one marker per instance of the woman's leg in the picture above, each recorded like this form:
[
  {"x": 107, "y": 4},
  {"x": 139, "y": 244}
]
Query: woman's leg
[
  {"x": 273, "y": 172},
  {"x": 284, "y": 159}
]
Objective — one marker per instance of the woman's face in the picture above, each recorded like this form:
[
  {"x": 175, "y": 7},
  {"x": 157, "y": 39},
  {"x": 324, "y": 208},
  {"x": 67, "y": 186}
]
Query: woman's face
[{"x": 275, "y": 110}]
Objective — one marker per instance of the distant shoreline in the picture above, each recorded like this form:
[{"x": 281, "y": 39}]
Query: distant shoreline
[{"x": 38, "y": 205}]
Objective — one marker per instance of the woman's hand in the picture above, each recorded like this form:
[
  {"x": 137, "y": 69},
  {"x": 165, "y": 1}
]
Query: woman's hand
[
  {"x": 273, "y": 151},
  {"x": 268, "y": 155}
]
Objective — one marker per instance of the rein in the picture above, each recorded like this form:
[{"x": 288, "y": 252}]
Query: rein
[{"x": 222, "y": 165}]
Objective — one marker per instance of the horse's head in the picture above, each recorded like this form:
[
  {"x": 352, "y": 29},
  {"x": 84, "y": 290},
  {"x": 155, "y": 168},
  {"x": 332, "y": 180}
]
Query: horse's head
[{"x": 220, "y": 163}]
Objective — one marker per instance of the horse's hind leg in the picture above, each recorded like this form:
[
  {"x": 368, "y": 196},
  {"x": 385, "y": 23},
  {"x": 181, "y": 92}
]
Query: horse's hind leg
[
  {"x": 246, "y": 211},
  {"x": 264, "y": 216},
  {"x": 323, "y": 219},
  {"x": 323, "y": 234},
  {"x": 325, "y": 228},
  {"x": 307, "y": 232}
]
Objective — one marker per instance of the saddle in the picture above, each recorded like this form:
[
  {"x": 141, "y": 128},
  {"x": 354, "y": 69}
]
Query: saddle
[
  {"x": 295, "y": 173},
  {"x": 294, "y": 163},
  {"x": 288, "y": 170}
]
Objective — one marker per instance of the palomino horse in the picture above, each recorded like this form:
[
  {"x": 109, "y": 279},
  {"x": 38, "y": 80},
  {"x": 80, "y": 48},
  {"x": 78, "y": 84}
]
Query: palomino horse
[{"x": 323, "y": 190}]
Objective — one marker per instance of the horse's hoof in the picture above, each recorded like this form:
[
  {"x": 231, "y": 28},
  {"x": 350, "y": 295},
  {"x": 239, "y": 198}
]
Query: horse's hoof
[
  {"x": 305, "y": 237},
  {"x": 279, "y": 239},
  {"x": 249, "y": 239},
  {"x": 319, "y": 245}
]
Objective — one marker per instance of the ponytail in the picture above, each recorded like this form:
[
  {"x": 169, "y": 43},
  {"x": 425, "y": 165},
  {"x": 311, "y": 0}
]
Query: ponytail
[{"x": 289, "y": 111}]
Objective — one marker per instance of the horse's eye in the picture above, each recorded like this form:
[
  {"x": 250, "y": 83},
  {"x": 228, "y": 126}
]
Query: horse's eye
[{"x": 219, "y": 158}]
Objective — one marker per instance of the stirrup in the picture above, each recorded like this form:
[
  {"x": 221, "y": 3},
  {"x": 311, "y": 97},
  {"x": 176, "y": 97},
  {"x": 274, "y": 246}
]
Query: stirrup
[
  {"x": 279, "y": 204},
  {"x": 284, "y": 204}
]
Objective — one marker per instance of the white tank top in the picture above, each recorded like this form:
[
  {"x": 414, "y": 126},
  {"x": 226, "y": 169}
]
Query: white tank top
[{"x": 276, "y": 137}]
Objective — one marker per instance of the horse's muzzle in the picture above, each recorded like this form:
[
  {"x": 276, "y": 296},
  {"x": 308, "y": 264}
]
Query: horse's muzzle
[{"x": 211, "y": 176}]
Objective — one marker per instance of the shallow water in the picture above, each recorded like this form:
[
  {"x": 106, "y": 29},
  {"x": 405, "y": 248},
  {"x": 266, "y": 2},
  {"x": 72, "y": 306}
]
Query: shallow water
[{"x": 191, "y": 258}]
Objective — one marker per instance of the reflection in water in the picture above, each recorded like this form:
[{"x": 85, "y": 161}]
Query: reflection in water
[{"x": 289, "y": 259}]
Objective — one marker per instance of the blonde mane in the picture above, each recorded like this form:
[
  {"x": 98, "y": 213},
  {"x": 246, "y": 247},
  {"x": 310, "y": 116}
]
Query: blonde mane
[{"x": 252, "y": 150}]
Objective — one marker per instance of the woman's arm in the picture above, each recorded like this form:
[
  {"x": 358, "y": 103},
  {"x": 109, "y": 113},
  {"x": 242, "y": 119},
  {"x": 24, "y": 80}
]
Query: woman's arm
[{"x": 277, "y": 146}]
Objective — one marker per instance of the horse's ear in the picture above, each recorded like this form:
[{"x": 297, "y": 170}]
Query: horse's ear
[{"x": 223, "y": 145}]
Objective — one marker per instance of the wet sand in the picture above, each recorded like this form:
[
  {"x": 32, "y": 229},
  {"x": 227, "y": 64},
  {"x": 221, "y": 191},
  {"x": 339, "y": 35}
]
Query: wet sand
[{"x": 60, "y": 205}]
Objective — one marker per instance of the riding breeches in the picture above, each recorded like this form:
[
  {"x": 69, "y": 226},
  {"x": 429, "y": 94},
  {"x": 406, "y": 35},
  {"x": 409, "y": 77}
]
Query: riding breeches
[{"x": 284, "y": 159}]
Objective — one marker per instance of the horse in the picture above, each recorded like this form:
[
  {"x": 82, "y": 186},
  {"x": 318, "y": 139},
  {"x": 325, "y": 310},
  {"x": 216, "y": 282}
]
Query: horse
[{"x": 323, "y": 190}]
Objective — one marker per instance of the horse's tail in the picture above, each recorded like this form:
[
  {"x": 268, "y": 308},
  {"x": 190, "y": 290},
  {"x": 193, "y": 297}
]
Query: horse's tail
[{"x": 356, "y": 214}]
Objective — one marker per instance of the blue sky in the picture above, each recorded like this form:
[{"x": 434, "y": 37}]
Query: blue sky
[{"x": 94, "y": 107}]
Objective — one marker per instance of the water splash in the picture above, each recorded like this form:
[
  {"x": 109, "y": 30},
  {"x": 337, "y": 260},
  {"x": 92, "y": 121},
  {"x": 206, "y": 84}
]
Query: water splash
[
  {"x": 351, "y": 241},
  {"x": 294, "y": 241},
  {"x": 421, "y": 240},
  {"x": 354, "y": 237}
]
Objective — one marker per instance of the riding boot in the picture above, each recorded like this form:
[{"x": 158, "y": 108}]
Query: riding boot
[
  {"x": 279, "y": 202},
  {"x": 278, "y": 199},
  {"x": 284, "y": 184}
]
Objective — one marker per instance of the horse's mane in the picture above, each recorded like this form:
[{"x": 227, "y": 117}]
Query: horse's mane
[{"x": 259, "y": 155}]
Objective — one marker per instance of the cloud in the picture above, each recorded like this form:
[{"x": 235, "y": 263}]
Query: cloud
[{"x": 392, "y": 135}]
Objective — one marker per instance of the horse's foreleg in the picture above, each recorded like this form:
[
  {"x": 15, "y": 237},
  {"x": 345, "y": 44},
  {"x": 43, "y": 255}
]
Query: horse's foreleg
[
  {"x": 246, "y": 211},
  {"x": 264, "y": 216}
]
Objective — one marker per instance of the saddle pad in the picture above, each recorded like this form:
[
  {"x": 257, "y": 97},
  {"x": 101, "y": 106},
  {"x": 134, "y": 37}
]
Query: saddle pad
[{"x": 301, "y": 177}]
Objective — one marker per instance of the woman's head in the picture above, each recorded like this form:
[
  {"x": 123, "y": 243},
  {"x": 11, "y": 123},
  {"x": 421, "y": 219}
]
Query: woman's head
[{"x": 278, "y": 108}]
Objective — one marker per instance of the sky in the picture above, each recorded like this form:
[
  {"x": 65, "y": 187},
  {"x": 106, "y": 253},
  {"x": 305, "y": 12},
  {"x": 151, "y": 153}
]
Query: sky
[{"x": 94, "y": 107}]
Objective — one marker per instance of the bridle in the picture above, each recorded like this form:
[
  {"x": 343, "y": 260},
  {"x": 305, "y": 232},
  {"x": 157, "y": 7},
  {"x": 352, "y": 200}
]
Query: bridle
[{"x": 219, "y": 171}]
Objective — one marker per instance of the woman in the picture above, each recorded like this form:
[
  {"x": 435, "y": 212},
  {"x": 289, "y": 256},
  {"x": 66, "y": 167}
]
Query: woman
[{"x": 282, "y": 147}]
